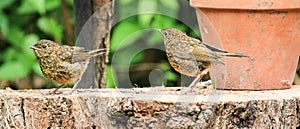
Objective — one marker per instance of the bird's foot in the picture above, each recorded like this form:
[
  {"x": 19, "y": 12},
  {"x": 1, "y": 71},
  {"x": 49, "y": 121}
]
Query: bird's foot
[
  {"x": 54, "y": 92},
  {"x": 187, "y": 90},
  {"x": 73, "y": 91},
  {"x": 201, "y": 88}
]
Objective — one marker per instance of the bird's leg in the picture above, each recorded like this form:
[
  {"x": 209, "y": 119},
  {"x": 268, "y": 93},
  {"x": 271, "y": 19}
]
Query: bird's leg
[
  {"x": 75, "y": 86},
  {"x": 54, "y": 91},
  {"x": 195, "y": 81},
  {"x": 198, "y": 78},
  {"x": 193, "y": 84}
]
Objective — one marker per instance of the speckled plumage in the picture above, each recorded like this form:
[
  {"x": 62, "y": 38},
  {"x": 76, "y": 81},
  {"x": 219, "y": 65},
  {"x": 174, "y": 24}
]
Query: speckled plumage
[
  {"x": 190, "y": 56},
  {"x": 62, "y": 64}
]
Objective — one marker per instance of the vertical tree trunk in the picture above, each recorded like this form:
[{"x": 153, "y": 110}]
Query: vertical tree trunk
[
  {"x": 93, "y": 19},
  {"x": 69, "y": 33},
  {"x": 102, "y": 14}
]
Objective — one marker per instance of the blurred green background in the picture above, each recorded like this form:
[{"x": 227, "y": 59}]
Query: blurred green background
[{"x": 23, "y": 23}]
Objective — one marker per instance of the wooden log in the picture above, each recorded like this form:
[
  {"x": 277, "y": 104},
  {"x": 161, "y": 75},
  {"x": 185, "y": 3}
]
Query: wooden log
[{"x": 150, "y": 108}]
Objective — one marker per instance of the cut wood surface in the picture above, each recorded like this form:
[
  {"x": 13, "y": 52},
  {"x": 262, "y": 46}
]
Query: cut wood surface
[{"x": 150, "y": 108}]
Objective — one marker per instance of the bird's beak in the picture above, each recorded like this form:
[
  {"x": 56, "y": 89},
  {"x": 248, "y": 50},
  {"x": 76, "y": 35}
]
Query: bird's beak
[
  {"x": 159, "y": 30},
  {"x": 33, "y": 47}
]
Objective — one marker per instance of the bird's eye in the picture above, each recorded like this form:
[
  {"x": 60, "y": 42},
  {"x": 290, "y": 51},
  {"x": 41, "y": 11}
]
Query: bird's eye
[
  {"x": 44, "y": 46},
  {"x": 166, "y": 33}
]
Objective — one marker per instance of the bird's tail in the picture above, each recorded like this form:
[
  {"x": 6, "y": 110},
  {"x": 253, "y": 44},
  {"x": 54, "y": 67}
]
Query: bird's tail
[
  {"x": 97, "y": 52},
  {"x": 229, "y": 54}
]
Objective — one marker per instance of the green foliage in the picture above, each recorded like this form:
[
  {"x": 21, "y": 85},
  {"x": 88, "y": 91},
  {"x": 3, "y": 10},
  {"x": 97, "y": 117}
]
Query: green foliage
[
  {"x": 123, "y": 30},
  {"x": 50, "y": 27},
  {"x": 146, "y": 7},
  {"x": 135, "y": 17},
  {"x": 110, "y": 77},
  {"x": 32, "y": 6},
  {"x": 22, "y": 24}
]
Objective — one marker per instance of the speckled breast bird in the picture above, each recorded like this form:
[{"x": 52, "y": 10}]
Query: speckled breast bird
[
  {"x": 190, "y": 56},
  {"x": 63, "y": 64}
]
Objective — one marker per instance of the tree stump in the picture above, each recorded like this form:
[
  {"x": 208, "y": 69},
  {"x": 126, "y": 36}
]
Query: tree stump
[{"x": 150, "y": 108}]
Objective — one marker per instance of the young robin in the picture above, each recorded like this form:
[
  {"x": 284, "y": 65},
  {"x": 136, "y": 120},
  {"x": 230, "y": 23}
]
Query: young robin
[
  {"x": 190, "y": 56},
  {"x": 63, "y": 64}
]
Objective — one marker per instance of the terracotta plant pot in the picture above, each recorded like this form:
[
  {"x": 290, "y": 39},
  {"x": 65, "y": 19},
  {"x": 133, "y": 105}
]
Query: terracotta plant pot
[{"x": 267, "y": 30}]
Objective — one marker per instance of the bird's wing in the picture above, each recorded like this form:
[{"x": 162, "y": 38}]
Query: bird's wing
[
  {"x": 184, "y": 63},
  {"x": 222, "y": 53},
  {"x": 214, "y": 49},
  {"x": 65, "y": 53},
  {"x": 78, "y": 49},
  {"x": 182, "y": 56},
  {"x": 74, "y": 54},
  {"x": 204, "y": 54}
]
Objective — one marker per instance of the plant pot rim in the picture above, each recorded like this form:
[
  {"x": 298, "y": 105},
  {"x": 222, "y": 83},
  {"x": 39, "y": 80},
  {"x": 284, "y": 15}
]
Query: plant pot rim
[{"x": 247, "y": 4}]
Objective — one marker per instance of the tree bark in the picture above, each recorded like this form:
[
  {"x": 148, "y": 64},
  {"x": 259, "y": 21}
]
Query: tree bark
[
  {"x": 67, "y": 23},
  {"x": 92, "y": 28},
  {"x": 102, "y": 24},
  {"x": 150, "y": 108}
]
